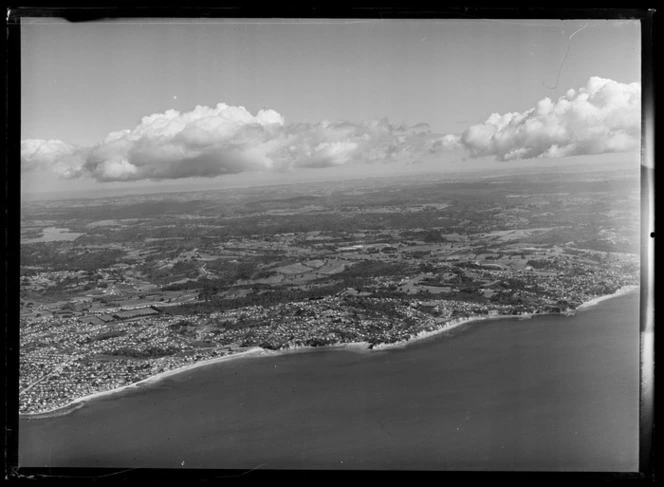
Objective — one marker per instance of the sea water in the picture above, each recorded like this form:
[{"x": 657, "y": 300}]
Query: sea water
[{"x": 552, "y": 393}]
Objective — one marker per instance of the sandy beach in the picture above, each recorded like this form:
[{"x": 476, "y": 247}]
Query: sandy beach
[
  {"x": 349, "y": 346},
  {"x": 80, "y": 402}
]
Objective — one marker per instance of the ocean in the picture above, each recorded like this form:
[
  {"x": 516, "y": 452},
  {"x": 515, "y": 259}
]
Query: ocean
[{"x": 551, "y": 393}]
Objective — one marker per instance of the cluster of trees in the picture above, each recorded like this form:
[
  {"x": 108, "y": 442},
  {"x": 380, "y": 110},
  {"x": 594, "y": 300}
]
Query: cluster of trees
[
  {"x": 187, "y": 268},
  {"x": 105, "y": 336},
  {"x": 151, "y": 351},
  {"x": 51, "y": 256},
  {"x": 373, "y": 268},
  {"x": 184, "y": 328},
  {"x": 228, "y": 274},
  {"x": 538, "y": 264},
  {"x": 429, "y": 236},
  {"x": 376, "y": 308},
  {"x": 272, "y": 297},
  {"x": 182, "y": 286}
]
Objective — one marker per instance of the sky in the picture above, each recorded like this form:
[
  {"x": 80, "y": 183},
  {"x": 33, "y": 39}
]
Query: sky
[{"x": 170, "y": 103}]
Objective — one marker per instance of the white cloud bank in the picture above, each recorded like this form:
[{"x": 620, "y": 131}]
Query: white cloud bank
[{"x": 604, "y": 116}]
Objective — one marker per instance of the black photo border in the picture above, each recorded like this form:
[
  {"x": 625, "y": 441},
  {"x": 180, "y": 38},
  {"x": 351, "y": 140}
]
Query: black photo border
[{"x": 11, "y": 226}]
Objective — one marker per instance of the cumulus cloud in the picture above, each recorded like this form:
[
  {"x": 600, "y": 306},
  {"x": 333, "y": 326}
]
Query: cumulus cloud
[
  {"x": 211, "y": 141},
  {"x": 54, "y": 156},
  {"x": 207, "y": 141},
  {"x": 604, "y": 116}
]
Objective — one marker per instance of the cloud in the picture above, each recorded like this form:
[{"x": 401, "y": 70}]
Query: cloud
[
  {"x": 207, "y": 141},
  {"x": 604, "y": 116},
  {"x": 340, "y": 143},
  {"x": 212, "y": 141},
  {"x": 54, "y": 156}
]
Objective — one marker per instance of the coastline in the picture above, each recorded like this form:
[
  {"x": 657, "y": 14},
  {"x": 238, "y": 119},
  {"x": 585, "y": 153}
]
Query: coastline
[
  {"x": 81, "y": 401},
  {"x": 450, "y": 325},
  {"x": 347, "y": 346},
  {"x": 619, "y": 292}
]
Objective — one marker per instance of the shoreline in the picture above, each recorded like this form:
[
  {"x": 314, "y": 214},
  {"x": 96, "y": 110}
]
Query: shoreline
[
  {"x": 623, "y": 290},
  {"x": 81, "y": 401},
  {"x": 360, "y": 347},
  {"x": 450, "y": 325}
]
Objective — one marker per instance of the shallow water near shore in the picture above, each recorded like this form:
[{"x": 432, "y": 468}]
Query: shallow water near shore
[{"x": 549, "y": 393}]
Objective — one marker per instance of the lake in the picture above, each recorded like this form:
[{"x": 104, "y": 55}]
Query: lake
[
  {"x": 53, "y": 234},
  {"x": 552, "y": 393}
]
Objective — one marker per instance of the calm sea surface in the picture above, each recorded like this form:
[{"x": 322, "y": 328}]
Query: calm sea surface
[{"x": 552, "y": 393}]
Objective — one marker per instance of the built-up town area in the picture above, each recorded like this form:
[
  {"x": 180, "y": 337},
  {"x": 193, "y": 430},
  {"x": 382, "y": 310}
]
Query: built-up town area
[{"x": 116, "y": 290}]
